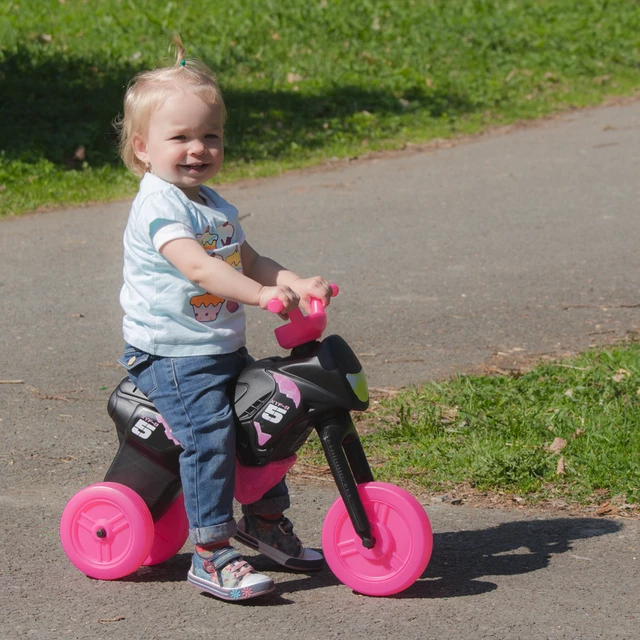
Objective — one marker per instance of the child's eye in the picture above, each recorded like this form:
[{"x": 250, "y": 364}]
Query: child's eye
[
  {"x": 179, "y": 138},
  {"x": 212, "y": 135}
]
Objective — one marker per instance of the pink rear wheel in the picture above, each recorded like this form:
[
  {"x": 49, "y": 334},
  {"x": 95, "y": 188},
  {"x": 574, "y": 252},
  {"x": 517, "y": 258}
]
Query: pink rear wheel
[
  {"x": 403, "y": 536},
  {"x": 171, "y": 532},
  {"x": 106, "y": 530}
]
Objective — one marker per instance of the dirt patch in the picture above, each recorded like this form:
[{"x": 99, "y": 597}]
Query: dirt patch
[{"x": 598, "y": 506}]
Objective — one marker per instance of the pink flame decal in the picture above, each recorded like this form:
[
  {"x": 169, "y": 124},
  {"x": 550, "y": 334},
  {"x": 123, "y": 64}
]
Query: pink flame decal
[
  {"x": 263, "y": 438},
  {"x": 167, "y": 430},
  {"x": 287, "y": 388}
]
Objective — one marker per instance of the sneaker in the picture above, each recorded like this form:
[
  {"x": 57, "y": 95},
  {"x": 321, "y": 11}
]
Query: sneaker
[
  {"x": 223, "y": 573},
  {"x": 276, "y": 540}
]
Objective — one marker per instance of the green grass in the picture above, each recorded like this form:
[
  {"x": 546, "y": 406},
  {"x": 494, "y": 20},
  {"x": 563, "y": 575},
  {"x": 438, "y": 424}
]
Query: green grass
[
  {"x": 495, "y": 433},
  {"x": 305, "y": 80}
]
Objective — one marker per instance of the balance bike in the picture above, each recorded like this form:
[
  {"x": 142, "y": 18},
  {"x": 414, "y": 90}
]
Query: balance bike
[{"x": 376, "y": 537}]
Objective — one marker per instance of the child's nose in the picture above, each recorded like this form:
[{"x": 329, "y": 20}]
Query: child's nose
[{"x": 198, "y": 147}]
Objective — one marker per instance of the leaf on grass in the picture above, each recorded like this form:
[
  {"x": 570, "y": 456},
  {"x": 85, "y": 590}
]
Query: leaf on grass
[
  {"x": 560, "y": 469},
  {"x": 604, "y": 509},
  {"x": 577, "y": 433},
  {"x": 557, "y": 445},
  {"x": 620, "y": 375},
  {"x": 449, "y": 414}
]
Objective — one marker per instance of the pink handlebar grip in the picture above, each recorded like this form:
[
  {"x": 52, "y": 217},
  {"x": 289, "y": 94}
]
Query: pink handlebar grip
[
  {"x": 275, "y": 305},
  {"x": 301, "y": 328}
]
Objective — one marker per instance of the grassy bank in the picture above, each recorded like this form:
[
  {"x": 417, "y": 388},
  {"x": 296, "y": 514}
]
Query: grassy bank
[
  {"x": 304, "y": 80},
  {"x": 567, "y": 430}
]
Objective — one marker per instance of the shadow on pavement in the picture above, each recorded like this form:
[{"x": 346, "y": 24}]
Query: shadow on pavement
[{"x": 461, "y": 557}]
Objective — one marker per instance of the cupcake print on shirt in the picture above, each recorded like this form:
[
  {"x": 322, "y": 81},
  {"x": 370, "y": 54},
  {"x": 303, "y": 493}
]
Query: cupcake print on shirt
[{"x": 207, "y": 307}]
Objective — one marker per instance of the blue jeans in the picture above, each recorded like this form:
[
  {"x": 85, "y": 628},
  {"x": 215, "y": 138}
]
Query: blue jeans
[{"x": 192, "y": 395}]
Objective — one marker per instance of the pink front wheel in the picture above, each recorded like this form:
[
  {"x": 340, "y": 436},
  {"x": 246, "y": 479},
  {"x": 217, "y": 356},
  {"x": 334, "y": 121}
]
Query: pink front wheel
[
  {"x": 106, "y": 530},
  {"x": 403, "y": 537}
]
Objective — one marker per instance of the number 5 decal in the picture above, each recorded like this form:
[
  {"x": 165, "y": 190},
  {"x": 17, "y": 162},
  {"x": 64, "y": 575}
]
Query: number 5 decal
[{"x": 273, "y": 414}]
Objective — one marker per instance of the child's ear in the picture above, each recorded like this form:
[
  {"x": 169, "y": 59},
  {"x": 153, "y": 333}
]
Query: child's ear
[{"x": 140, "y": 147}]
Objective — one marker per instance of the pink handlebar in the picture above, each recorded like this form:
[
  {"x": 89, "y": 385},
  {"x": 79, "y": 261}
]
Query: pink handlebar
[
  {"x": 275, "y": 305},
  {"x": 301, "y": 328}
]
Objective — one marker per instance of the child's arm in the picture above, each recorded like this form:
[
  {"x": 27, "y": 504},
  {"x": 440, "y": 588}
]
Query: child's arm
[
  {"x": 221, "y": 279},
  {"x": 268, "y": 272}
]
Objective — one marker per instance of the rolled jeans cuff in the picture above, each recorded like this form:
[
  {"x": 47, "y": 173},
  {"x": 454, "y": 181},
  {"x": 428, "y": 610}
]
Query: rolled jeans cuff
[
  {"x": 267, "y": 506},
  {"x": 215, "y": 533}
]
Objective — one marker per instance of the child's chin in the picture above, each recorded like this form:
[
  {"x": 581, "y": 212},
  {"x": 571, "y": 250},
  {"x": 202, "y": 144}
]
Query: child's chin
[{"x": 191, "y": 179}]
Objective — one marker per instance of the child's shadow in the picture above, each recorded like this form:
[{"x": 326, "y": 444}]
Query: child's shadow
[{"x": 459, "y": 558}]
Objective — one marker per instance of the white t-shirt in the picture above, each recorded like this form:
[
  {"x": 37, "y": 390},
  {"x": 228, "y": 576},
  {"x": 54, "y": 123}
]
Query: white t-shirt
[{"x": 165, "y": 313}]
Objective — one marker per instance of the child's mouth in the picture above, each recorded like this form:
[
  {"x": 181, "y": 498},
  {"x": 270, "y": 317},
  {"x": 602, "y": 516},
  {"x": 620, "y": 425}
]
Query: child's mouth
[{"x": 194, "y": 168}]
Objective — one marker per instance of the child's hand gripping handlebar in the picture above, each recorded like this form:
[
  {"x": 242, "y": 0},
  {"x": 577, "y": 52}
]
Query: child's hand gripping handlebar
[{"x": 301, "y": 328}]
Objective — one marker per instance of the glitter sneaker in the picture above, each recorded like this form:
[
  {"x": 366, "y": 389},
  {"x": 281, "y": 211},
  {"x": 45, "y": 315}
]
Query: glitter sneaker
[{"x": 225, "y": 574}]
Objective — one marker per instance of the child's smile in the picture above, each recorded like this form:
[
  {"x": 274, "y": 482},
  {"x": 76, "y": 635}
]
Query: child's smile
[
  {"x": 183, "y": 143},
  {"x": 195, "y": 168}
]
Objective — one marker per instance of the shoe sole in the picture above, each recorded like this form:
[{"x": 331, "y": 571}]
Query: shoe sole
[
  {"x": 297, "y": 564},
  {"x": 230, "y": 595}
]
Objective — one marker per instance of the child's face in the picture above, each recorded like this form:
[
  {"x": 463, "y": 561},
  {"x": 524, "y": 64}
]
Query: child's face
[{"x": 183, "y": 143}]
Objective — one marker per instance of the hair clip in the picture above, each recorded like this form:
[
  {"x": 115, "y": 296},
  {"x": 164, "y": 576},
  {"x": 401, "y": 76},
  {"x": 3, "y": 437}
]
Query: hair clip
[{"x": 183, "y": 62}]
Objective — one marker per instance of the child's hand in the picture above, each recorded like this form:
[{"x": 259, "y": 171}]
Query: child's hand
[
  {"x": 315, "y": 287},
  {"x": 286, "y": 295}
]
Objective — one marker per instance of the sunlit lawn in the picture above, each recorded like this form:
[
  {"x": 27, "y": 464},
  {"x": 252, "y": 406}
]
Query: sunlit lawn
[{"x": 305, "y": 80}]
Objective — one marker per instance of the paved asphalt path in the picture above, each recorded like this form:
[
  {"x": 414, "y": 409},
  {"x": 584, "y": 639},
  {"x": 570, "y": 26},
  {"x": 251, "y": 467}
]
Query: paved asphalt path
[{"x": 499, "y": 250}]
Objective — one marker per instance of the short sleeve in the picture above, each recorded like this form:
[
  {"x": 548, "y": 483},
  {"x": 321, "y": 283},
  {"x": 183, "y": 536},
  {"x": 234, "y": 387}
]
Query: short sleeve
[
  {"x": 169, "y": 231},
  {"x": 165, "y": 217}
]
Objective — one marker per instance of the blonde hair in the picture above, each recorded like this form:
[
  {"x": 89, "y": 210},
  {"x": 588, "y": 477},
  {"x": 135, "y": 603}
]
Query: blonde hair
[{"x": 147, "y": 92}]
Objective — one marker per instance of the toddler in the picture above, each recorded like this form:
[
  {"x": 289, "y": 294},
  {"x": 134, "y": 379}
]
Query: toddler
[{"x": 188, "y": 271}]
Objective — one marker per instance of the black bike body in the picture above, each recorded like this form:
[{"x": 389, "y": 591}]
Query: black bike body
[{"x": 277, "y": 403}]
